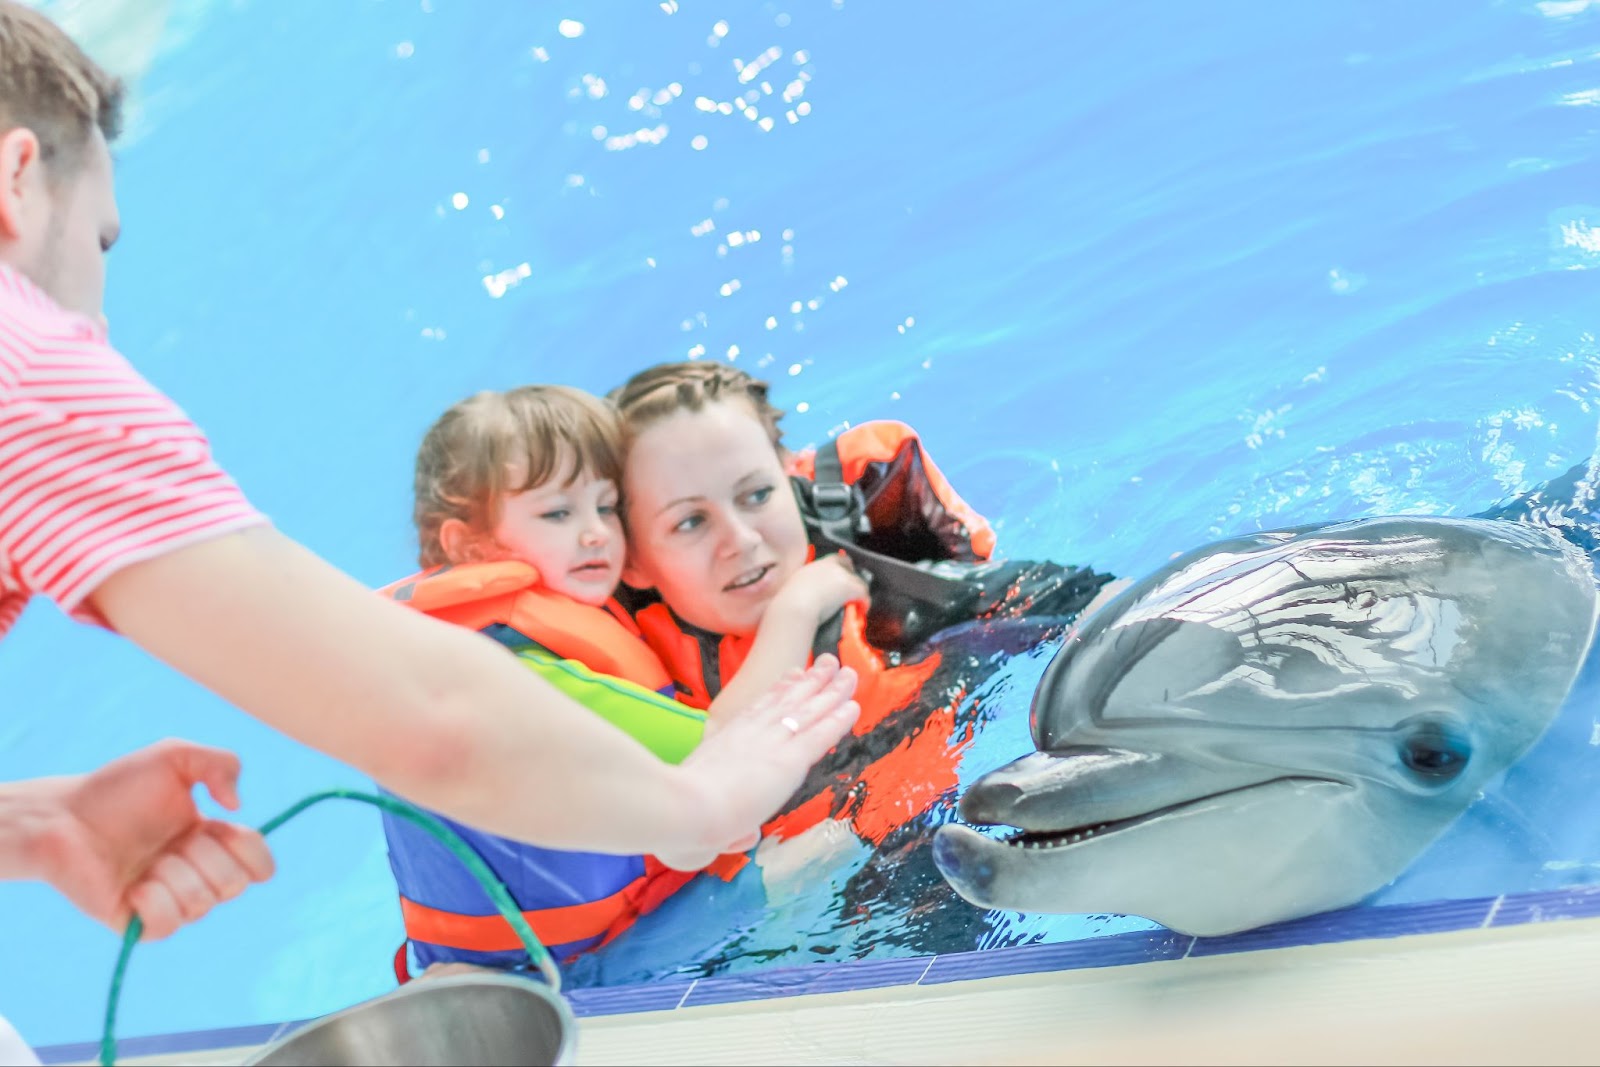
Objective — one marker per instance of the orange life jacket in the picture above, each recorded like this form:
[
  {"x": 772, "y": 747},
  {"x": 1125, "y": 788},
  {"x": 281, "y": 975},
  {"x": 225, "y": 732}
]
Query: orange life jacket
[
  {"x": 906, "y": 499},
  {"x": 909, "y": 504},
  {"x": 701, "y": 663},
  {"x": 585, "y": 899},
  {"x": 511, "y": 594}
]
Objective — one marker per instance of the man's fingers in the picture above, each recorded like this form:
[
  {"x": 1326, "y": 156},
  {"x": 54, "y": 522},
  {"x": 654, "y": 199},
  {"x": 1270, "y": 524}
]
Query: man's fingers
[
  {"x": 158, "y": 909},
  {"x": 216, "y": 862},
  {"x": 224, "y": 875},
  {"x": 117, "y": 918},
  {"x": 189, "y": 889},
  {"x": 228, "y": 857},
  {"x": 247, "y": 848},
  {"x": 216, "y": 767}
]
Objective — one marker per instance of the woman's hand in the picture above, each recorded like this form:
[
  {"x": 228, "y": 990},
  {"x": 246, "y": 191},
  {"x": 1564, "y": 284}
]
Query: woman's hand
[{"x": 820, "y": 589}]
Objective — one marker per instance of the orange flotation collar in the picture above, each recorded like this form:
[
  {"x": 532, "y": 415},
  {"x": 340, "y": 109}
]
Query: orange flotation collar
[{"x": 511, "y": 593}]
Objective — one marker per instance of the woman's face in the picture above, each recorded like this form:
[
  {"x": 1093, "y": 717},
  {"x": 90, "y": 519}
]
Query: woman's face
[{"x": 713, "y": 526}]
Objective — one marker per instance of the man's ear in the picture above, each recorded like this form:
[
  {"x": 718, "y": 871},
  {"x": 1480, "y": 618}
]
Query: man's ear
[{"x": 21, "y": 181}]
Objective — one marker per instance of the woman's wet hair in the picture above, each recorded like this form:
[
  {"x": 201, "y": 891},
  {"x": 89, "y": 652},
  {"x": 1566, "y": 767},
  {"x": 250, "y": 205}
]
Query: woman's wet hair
[
  {"x": 666, "y": 388},
  {"x": 48, "y": 85},
  {"x": 469, "y": 455}
]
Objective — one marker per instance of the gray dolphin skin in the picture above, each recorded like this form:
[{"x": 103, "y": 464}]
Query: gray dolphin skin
[{"x": 1277, "y": 724}]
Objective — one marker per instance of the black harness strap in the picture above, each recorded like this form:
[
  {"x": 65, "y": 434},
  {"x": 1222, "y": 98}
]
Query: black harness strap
[
  {"x": 907, "y": 601},
  {"x": 835, "y": 506}
]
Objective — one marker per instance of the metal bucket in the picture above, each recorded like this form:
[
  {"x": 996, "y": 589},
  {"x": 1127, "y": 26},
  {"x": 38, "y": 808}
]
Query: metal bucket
[{"x": 455, "y": 1021}]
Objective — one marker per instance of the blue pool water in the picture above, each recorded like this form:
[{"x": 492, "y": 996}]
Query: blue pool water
[{"x": 1143, "y": 275}]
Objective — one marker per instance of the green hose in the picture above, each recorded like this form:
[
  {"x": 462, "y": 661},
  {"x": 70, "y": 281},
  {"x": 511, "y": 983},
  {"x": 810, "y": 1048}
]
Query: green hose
[{"x": 394, "y": 806}]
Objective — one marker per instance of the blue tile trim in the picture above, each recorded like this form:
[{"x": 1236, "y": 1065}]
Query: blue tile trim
[
  {"x": 1575, "y": 902},
  {"x": 799, "y": 981},
  {"x": 1354, "y": 924},
  {"x": 162, "y": 1044},
  {"x": 1141, "y": 946},
  {"x": 618, "y": 1000}
]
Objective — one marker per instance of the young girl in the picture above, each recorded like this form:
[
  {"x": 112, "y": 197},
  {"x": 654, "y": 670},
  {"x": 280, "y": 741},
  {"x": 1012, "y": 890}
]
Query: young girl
[
  {"x": 716, "y": 532},
  {"x": 517, "y": 518}
]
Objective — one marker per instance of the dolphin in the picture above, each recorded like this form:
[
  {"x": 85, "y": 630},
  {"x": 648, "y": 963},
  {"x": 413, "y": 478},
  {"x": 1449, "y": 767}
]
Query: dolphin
[{"x": 1277, "y": 724}]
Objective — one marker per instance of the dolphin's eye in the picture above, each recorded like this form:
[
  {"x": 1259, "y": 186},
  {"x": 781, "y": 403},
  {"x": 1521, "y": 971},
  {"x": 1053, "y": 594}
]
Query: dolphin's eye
[{"x": 1434, "y": 751}]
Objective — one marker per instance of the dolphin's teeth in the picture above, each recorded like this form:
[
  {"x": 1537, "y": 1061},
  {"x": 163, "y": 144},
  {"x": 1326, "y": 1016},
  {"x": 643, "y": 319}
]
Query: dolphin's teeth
[{"x": 1047, "y": 839}]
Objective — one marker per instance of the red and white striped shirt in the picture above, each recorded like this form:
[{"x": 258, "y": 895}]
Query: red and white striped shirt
[{"x": 97, "y": 469}]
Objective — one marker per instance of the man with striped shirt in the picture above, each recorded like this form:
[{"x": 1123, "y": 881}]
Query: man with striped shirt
[{"x": 111, "y": 506}]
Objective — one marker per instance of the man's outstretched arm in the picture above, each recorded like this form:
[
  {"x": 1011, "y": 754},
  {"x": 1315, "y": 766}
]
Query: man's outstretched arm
[{"x": 447, "y": 717}]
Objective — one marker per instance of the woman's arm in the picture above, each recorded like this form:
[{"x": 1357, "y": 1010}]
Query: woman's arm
[{"x": 788, "y": 630}]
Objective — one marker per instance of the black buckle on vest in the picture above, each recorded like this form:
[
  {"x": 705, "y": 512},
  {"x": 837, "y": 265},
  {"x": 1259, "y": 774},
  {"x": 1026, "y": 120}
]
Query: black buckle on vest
[{"x": 834, "y": 501}]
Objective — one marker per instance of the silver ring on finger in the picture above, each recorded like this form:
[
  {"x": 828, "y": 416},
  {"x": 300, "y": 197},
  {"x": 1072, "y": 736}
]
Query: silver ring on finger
[{"x": 790, "y": 724}]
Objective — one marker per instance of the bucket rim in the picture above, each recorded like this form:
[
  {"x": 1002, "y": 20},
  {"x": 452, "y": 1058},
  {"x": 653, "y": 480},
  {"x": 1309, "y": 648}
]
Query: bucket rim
[{"x": 566, "y": 1021}]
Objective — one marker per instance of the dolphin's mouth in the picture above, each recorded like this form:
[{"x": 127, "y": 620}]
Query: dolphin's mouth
[{"x": 1046, "y": 840}]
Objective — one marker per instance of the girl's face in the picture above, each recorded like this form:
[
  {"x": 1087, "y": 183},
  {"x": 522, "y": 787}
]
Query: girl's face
[
  {"x": 713, "y": 526},
  {"x": 572, "y": 533}
]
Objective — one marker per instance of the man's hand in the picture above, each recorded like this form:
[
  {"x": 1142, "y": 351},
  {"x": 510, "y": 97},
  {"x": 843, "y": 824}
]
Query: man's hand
[
  {"x": 129, "y": 838},
  {"x": 754, "y": 758}
]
